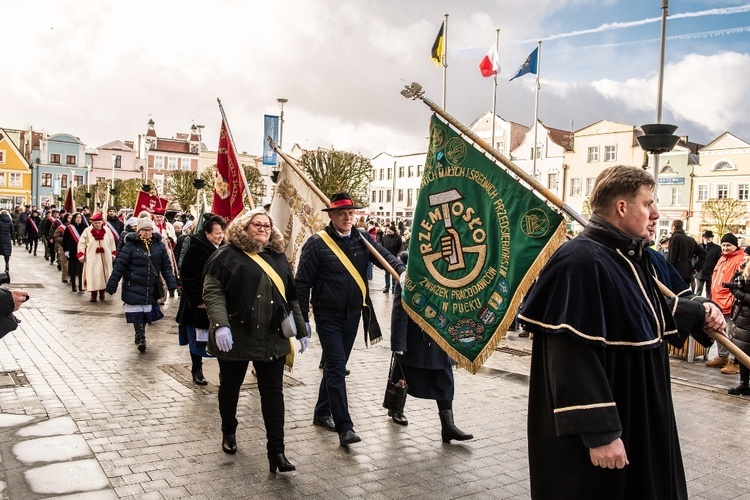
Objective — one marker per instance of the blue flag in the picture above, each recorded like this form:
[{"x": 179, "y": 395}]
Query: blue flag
[
  {"x": 270, "y": 128},
  {"x": 529, "y": 65}
]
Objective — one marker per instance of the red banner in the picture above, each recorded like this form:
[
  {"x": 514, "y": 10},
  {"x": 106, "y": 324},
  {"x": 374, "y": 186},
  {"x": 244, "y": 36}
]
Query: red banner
[
  {"x": 69, "y": 201},
  {"x": 148, "y": 201},
  {"x": 229, "y": 185}
]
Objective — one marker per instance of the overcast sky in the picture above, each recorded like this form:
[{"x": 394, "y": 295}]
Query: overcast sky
[{"x": 100, "y": 69}]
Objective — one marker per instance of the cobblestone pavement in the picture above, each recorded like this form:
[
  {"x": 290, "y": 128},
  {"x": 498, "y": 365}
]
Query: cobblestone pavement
[{"x": 85, "y": 416}]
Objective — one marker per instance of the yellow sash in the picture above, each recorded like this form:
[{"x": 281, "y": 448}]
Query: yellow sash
[
  {"x": 271, "y": 272},
  {"x": 347, "y": 263}
]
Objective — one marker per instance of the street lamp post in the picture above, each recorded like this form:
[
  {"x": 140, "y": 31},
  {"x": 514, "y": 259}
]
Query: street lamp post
[{"x": 281, "y": 102}]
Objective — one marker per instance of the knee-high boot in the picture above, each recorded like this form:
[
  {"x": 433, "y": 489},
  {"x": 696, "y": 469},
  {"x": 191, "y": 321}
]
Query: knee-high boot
[
  {"x": 140, "y": 336},
  {"x": 197, "y": 369},
  {"x": 449, "y": 429}
]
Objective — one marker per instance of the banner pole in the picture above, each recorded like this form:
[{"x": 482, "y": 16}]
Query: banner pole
[
  {"x": 414, "y": 91},
  {"x": 234, "y": 148},
  {"x": 293, "y": 165}
]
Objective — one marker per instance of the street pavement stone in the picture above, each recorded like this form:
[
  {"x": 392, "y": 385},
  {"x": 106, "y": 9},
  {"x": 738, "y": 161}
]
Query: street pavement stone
[{"x": 121, "y": 424}]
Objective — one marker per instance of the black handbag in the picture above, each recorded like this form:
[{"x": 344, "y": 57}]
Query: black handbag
[{"x": 395, "y": 392}]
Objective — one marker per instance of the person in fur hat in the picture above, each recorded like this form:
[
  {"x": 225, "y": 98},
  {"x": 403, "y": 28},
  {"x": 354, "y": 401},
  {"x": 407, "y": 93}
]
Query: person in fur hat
[
  {"x": 143, "y": 255},
  {"x": 96, "y": 250},
  {"x": 248, "y": 293}
]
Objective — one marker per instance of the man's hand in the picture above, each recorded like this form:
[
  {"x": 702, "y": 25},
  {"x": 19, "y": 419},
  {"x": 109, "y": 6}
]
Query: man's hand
[
  {"x": 19, "y": 297},
  {"x": 714, "y": 318},
  {"x": 609, "y": 456}
]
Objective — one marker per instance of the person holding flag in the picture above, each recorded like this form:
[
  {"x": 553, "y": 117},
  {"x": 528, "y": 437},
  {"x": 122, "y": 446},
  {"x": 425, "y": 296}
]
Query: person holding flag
[{"x": 332, "y": 278}]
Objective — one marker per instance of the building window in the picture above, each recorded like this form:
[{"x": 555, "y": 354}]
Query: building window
[
  {"x": 158, "y": 161},
  {"x": 2, "y": 179},
  {"x": 70, "y": 159},
  {"x": 101, "y": 180},
  {"x": 17, "y": 181},
  {"x": 2, "y": 156},
  {"x": 538, "y": 153},
  {"x": 185, "y": 164},
  {"x": 593, "y": 154},
  {"x": 723, "y": 165},
  {"x": 401, "y": 172},
  {"x": 373, "y": 196},
  {"x": 381, "y": 174},
  {"x": 117, "y": 161},
  {"x": 500, "y": 145},
  {"x": 675, "y": 197},
  {"x": 388, "y": 196},
  {"x": 419, "y": 170},
  {"x": 590, "y": 184},
  {"x": 552, "y": 180},
  {"x": 575, "y": 186},
  {"x": 389, "y": 174},
  {"x": 77, "y": 180},
  {"x": 702, "y": 192},
  {"x": 722, "y": 191},
  {"x": 409, "y": 197},
  {"x": 46, "y": 179},
  {"x": 171, "y": 162},
  {"x": 372, "y": 175},
  {"x": 54, "y": 158},
  {"x": 610, "y": 153},
  {"x": 410, "y": 171},
  {"x": 380, "y": 196},
  {"x": 400, "y": 195},
  {"x": 743, "y": 192},
  {"x": 64, "y": 181}
]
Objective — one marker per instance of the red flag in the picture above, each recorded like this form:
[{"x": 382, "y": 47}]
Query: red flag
[
  {"x": 69, "y": 201},
  {"x": 229, "y": 186},
  {"x": 489, "y": 65},
  {"x": 147, "y": 201}
]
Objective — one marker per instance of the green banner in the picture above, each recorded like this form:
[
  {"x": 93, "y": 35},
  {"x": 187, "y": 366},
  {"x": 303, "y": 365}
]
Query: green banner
[{"x": 478, "y": 240}]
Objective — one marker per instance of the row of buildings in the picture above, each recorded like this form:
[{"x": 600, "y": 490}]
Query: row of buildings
[
  {"x": 568, "y": 162},
  {"x": 37, "y": 168}
]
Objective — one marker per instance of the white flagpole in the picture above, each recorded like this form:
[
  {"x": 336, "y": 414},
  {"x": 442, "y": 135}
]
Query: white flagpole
[
  {"x": 536, "y": 104},
  {"x": 444, "y": 56},
  {"x": 660, "y": 90},
  {"x": 494, "y": 89}
]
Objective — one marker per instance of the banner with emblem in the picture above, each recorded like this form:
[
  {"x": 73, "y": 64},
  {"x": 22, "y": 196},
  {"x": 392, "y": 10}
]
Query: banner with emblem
[
  {"x": 479, "y": 239},
  {"x": 229, "y": 183},
  {"x": 296, "y": 211}
]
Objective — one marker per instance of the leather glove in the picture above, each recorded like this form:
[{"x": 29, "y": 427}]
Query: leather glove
[
  {"x": 224, "y": 338},
  {"x": 303, "y": 343},
  {"x": 309, "y": 330}
]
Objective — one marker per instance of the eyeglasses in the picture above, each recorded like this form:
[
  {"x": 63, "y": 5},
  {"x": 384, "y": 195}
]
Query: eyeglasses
[{"x": 259, "y": 226}]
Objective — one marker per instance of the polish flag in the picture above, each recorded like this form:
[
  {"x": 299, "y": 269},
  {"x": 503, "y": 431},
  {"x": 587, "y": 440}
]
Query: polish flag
[{"x": 489, "y": 65}]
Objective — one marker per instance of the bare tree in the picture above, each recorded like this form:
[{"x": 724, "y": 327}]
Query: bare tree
[
  {"x": 338, "y": 171},
  {"x": 724, "y": 214}
]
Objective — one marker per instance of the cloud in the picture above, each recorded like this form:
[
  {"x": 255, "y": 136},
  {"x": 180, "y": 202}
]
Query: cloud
[{"x": 709, "y": 91}]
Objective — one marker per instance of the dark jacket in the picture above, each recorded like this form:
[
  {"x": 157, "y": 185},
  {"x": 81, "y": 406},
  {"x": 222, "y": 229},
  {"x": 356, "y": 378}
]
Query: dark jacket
[
  {"x": 713, "y": 252},
  {"x": 323, "y": 281},
  {"x": 117, "y": 224},
  {"x": 256, "y": 335},
  {"x": 6, "y": 235},
  {"x": 31, "y": 233},
  {"x": 189, "y": 314},
  {"x": 138, "y": 276},
  {"x": 392, "y": 243},
  {"x": 69, "y": 243},
  {"x": 741, "y": 313},
  {"x": 685, "y": 254}
]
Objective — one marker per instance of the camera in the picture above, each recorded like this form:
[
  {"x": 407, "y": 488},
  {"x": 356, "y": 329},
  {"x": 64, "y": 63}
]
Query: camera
[
  {"x": 4, "y": 278},
  {"x": 736, "y": 284}
]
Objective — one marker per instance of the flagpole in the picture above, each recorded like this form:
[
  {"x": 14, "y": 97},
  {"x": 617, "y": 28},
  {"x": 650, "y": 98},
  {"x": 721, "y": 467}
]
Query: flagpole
[
  {"x": 234, "y": 148},
  {"x": 494, "y": 88},
  {"x": 660, "y": 90},
  {"x": 293, "y": 165},
  {"x": 444, "y": 57},
  {"x": 414, "y": 91},
  {"x": 536, "y": 103}
]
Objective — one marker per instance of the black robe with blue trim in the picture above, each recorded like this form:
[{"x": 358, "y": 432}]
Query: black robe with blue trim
[{"x": 600, "y": 371}]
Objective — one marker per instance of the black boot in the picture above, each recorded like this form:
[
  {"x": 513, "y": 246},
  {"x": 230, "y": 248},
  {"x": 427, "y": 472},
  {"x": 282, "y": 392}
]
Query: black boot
[
  {"x": 279, "y": 461},
  {"x": 140, "y": 336},
  {"x": 449, "y": 429},
  {"x": 197, "y": 370},
  {"x": 229, "y": 444},
  {"x": 742, "y": 389}
]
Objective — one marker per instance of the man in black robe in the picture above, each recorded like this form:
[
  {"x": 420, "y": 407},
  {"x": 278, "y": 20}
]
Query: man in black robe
[{"x": 600, "y": 421}]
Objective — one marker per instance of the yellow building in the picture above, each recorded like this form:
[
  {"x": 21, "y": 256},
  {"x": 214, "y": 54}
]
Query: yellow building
[{"x": 15, "y": 175}]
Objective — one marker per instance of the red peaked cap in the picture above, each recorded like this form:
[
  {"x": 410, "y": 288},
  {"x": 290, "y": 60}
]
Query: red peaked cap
[
  {"x": 341, "y": 200},
  {"x": 97, "y": 216},
  {"x": 159, "y": 211}
]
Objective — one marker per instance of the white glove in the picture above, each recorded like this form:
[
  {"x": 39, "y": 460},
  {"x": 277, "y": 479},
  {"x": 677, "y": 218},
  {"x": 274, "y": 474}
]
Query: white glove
[
  {"x": 402, "y": 280},
  {"x": 309, "y": 330},
  {"x": 224, "y": 338},
  {"x": 67, "y": 255},
  {"x": 303, "y": 343},
  {"x": 400, "y": 353}
]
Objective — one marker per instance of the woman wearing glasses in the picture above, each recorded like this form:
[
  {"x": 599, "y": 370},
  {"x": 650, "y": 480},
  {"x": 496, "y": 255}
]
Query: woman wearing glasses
[
  {"x": 248, "y": 291},
  {"x": 142, "y": 256}
]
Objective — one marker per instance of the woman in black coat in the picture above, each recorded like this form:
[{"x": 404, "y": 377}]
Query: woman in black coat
[
  {"x": 191, "y": 315},
  {"x": 143, "y": 256},
  {"x": 740, "y": 287},
  {"x": 32, "y": 230},
  {"x": 70, "y": 249},
  {"x": 6, "y": 237},
  {"x": 424, "y": 366}
]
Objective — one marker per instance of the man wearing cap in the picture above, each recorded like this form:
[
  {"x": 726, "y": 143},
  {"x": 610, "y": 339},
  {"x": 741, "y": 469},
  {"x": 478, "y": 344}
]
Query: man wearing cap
[
  {"x": 713, "y": 252},
  {"x": 685, "y": 254},
  {"x": 332, "y": 279},
  {"x": 96, "y": 250},
  {"x": 728, "y": 264}
]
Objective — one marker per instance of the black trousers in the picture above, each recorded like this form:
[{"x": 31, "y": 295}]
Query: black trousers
[
  {"x": 75, "y": 270},
  {"x": 270, "y": 375}
]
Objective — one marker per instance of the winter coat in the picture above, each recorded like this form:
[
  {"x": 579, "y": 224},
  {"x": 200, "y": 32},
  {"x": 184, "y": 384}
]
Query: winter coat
[
  {"x": 685, "y": 254},
  {"x": 256, "y": 333},
  {"x": 393, "y": 243},
  {"x": 69, "y": 243},
  {"x": 724, "y": 271},
  {"x": 6, "y": 235},
  {"x": 741, "y": 315},
  {"x": 189, "y": 314},
  {"x": 138, "y": 277},
  {"x": 116, "y": 224},
  {"x": 713, "y": 252},
  {"x": 31, "y": 233},
  {"x": 98, "y": 256}
]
